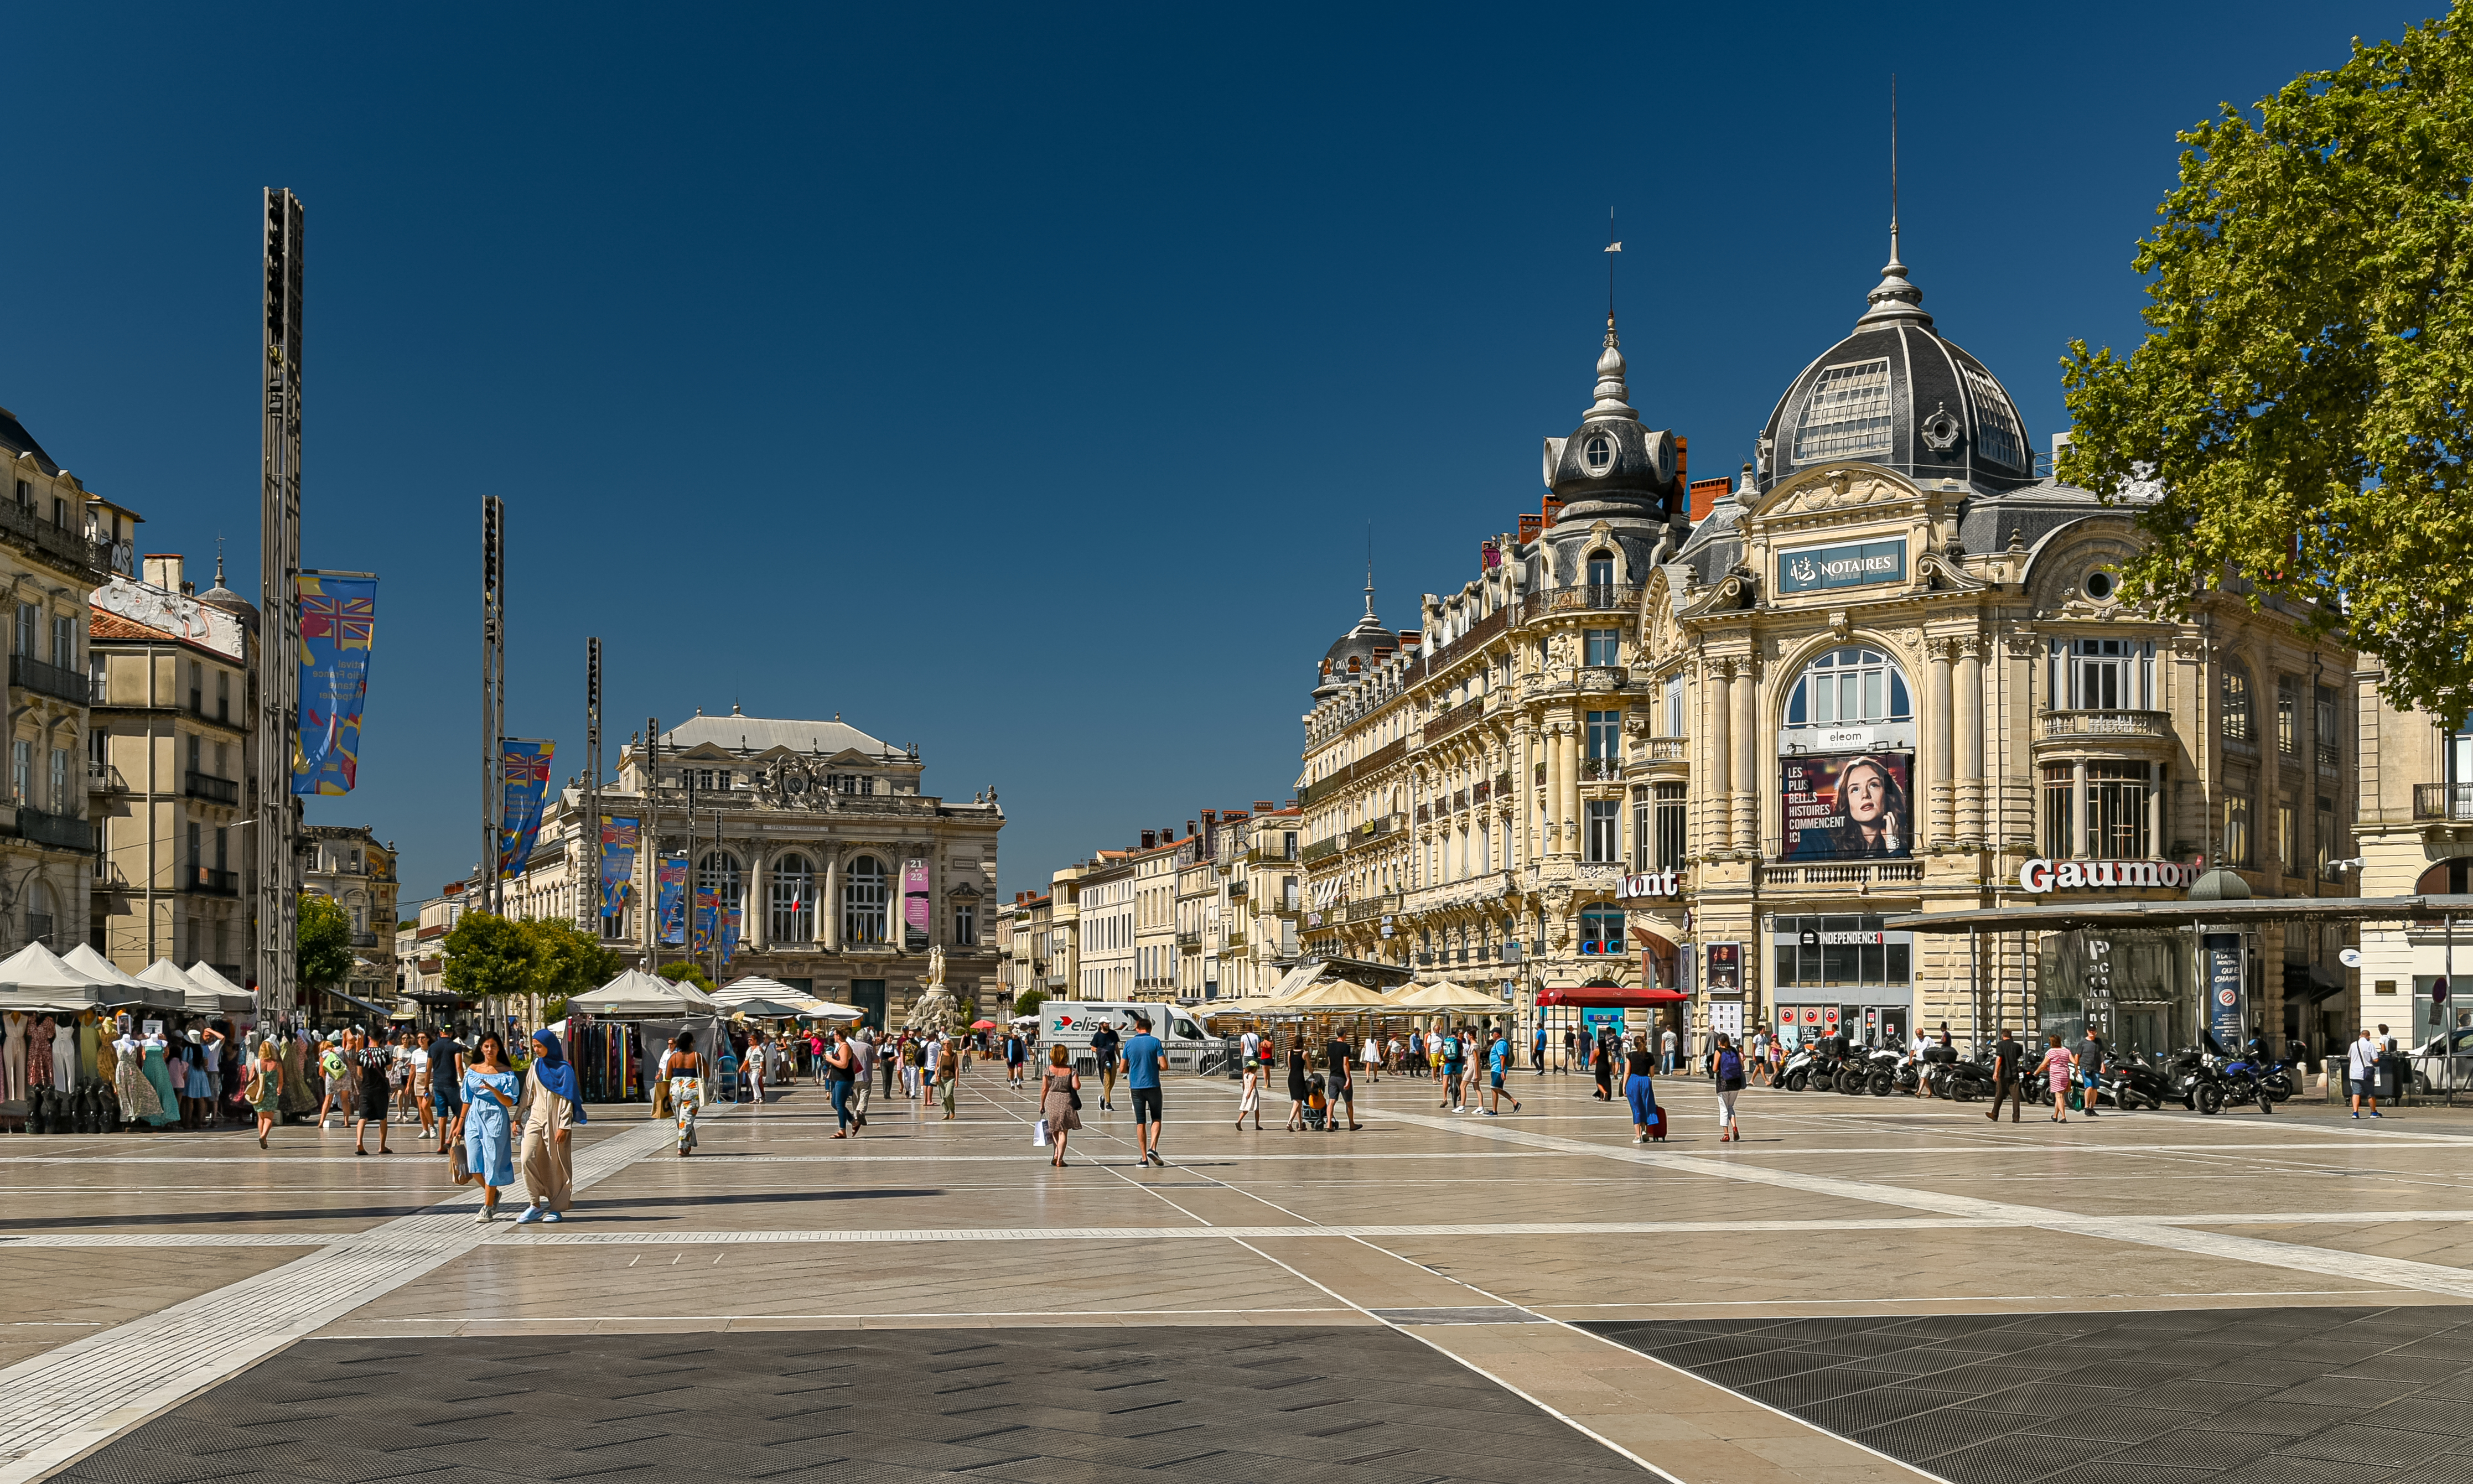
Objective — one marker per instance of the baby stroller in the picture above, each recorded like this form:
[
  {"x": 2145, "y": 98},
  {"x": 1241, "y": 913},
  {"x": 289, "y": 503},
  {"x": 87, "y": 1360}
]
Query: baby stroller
[{"x": 1317, "y": 1105}]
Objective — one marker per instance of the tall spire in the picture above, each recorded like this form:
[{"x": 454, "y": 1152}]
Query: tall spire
[
  {"x": 1369, "y": 569},
  {"x": 1894, "y": 299}
]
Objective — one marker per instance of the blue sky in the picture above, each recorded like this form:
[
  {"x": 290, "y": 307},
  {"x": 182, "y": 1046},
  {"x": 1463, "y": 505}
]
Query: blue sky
[{"x": 1018, "y": 385}]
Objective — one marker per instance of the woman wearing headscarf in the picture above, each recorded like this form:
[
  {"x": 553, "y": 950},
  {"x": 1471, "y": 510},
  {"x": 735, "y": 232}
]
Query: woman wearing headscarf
[
  {"x": 490, "y": 1092},
  {"x": 553, "y": 1105}
]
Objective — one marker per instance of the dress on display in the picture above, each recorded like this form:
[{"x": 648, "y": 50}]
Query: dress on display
[
  {"x": 137, "y": 1097},
  {"x": 38, "y": 1054},
  {"x": 64, "y": 1053},
  {"x": 12, "y": 1057},
  {"x": 89, "y": 1048},
  {"x": 160, "y": 1077}
]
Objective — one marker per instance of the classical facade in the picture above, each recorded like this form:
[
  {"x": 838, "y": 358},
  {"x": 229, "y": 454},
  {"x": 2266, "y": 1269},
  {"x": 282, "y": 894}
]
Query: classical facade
[
  {"x": 843, "y": 871},
  {"x": 171, "y": 771},
  {"x": 1707, "y": 737},
  {"x": 59, "y": 542},
  {"x": 346, "y": 864},
  {"x": 2414, "y": 834}
]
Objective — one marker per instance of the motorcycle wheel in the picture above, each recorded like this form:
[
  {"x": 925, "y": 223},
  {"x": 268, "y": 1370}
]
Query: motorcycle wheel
[
  {"x": 1850, "y": 1081},
  {"x": 1796, "y": 1081},
  {"x": 2210, "y": 1099},
  {"x": 1882, "y": 1084}
]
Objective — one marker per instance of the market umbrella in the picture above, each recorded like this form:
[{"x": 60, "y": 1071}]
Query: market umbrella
[
  {"x": 983, "y": 1025},
  {"x": 636, "y": 994},
  {"x": 1445, "y": 998},
  {"x": 764, "y": 1010},
  {"x": 1338, "y": 996},
  {"x": 195, "y": 997}
]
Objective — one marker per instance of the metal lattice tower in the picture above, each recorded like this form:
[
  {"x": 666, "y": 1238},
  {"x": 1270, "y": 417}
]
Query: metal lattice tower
[
  {"x": 278, "y": 639},
  {"x": 493, "y": 696}
]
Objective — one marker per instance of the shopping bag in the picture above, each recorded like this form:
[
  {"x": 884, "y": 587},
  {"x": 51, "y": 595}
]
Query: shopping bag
[
  {"x": 1039, "y": 1134},
  {"x": 457, "y": 1169}
]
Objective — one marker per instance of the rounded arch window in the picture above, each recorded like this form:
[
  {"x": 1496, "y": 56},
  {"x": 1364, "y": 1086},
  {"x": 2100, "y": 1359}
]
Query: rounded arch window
[
  {"x": 863, "y": 899},
  {"x": 1852, "y": 685},
  {"x": 793, "y": 904},
  {"x": 1601, "y": 569},
  {"x": 718, "y": 873}
]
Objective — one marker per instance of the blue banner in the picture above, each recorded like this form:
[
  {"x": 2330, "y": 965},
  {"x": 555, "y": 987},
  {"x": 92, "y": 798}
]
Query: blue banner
[
  {"x": 338, "y": 622},
  {"x": 670, "y": 886},
  {"x": 618, "y": 839},
  {"x": 707, "y": 914},
  {"x": 730, "y": 936},
  {"x": 2223, "y": 956},
  {"x": 527, "y": 765}
]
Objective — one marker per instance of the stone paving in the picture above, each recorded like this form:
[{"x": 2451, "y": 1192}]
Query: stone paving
[{"x": 1534, "y": 1276}]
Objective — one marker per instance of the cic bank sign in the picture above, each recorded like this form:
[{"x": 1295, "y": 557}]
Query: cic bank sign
[{"x": 2040, "y": 876}]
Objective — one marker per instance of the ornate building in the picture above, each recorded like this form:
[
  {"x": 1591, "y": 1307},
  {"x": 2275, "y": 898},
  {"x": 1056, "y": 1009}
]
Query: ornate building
[
  {"x": 843, "y": 871},
  {"x": 1704, "y": 737}
]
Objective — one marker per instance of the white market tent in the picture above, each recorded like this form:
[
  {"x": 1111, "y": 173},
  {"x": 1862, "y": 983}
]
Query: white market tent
[
  {"x": 36, "y": 978},
  {"x": 755, "y": 988},
  {"x": 636, "y": 994},
  {"x": 85, "y": 960},
  {"x": 195, "y": 997},
  {"x": 237, "y": 1000}
]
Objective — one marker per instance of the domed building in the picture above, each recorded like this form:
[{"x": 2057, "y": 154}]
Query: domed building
[{"x": 1688, "y": 769}]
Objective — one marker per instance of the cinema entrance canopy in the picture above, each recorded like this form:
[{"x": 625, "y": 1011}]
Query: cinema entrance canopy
[{"x": 2062, "y": 916}]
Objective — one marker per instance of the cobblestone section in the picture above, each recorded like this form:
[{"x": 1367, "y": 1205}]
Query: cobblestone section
[
  {"x": 2323, "y": 1396},
  {"x": 1090, "y": 1407}
]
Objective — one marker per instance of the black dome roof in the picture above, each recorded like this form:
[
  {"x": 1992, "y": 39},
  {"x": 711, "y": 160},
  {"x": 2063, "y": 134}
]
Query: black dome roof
[{"x": 1896, "y": 394}]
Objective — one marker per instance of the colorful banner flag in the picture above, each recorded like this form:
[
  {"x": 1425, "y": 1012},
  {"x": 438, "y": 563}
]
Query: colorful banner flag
[
  {"x": 527, "y": 789},
  {"x": 730, "y": 936},
  {"x": 619, "y": 836},
  {"x": 707, "y": 913},
  {"x": 338, "y": 622},
  {"x": 671, "y": 897}
]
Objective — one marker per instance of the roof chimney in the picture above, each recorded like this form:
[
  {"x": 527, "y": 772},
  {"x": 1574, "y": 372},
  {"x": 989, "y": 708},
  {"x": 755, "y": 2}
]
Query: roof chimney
[
  {"x": 1264, "y": 806},
  {"x": 163, "y": 570},
  {"x": 1150, "y": 839}
]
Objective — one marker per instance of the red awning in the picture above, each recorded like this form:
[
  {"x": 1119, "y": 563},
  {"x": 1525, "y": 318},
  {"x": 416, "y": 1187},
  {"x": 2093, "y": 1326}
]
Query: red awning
[{"x": 1611, "y": 996}]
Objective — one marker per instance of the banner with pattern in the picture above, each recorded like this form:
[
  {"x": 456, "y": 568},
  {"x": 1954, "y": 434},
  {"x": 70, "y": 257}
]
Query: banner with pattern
[
  {"x": 338, "y": 622},
  {"x": 527, "y": 764},
  {"x": 670, "y": 898},
  {"x": 619, "y": 836}
]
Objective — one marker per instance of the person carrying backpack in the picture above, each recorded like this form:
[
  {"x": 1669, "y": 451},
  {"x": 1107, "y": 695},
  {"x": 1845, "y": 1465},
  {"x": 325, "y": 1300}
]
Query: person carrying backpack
[{"x": 1729, "y": 1072}]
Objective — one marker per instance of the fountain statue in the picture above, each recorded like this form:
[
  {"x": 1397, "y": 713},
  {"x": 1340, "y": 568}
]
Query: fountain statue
[{"x": 935, "y": 1009}]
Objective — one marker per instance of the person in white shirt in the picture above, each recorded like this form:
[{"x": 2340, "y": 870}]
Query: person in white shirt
[
  {"x": 864, "y": 1048},
  {"x": 1252, "y": 1041},
  {"x": 2362, "y": 1062},
  {"x": 1373, "y": 1059},
  {"x": 1666, "y": 1045}
]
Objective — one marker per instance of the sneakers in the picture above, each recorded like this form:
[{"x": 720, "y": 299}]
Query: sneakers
[
  {"x": 551, "y": 1216},
  {"x": 2375, "y": 1113},
  {"x": 531, "y": 1215},
  {"x": 487, "y": 1216},
  {"x": 2356, "y": 1116},
  {"x": 1515, "y": 1105},
  {"x": 1491, "y": 1114}
]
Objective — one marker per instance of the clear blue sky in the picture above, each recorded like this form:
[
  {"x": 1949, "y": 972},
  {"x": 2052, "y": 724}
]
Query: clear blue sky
[{"x": 1015, "y": 384}]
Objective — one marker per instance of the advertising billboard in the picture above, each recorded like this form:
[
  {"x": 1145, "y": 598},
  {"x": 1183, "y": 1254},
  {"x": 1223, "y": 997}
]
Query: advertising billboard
[
  {"x": 1847, "y": 806},
  {"x": 2223, "y": 956},
  {"x": 1725, "y": 968},
  {"x": 914, "y": 903}
]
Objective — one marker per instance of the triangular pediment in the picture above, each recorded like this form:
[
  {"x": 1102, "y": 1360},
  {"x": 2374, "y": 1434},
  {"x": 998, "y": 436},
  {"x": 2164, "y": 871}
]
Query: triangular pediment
[{"x": 1845, "y": 491}]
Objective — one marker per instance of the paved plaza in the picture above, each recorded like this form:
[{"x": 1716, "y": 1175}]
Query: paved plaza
[{"x": 1863, "y": 1289}]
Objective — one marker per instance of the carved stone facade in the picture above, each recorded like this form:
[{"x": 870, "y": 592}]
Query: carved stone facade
[{"x": 1879, "y": 675}]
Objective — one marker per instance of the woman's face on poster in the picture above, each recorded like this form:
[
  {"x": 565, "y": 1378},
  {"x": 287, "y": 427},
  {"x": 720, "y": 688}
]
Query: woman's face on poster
[{"x": 1864, "y": 793}]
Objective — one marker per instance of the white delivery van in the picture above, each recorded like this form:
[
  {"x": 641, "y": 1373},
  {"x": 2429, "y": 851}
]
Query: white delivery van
[{"x": 1070, "y": 1023}]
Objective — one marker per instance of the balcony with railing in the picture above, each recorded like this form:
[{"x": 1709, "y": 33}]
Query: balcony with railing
[
  {"x": 207, "y": 881},
  {"x": 1602, "y": 770},
  {"x": 2442, "y": 800},
  {"x": 362, "y": 938},
  {"x": 1441, "y": 724},
  {"x": 102, "y": 778},
  {"x": 1376, "y": 828},
  {"x": 1189, "y": 940},
  {"x": 1588, "y": 598},
  {"x": 58, "y": 831},
  {"x": 92, "y": 559},
  {"x": 207, "y": 786},
  {"x": 2331, "y": 760},
  {"x": 28, "y": 673},
  {"x": 1370, "y": 907},
  {"x": 1322, "y": 850},
  {"x": 2103, "y": 726},
  {"x": 1864, "y": 875}
]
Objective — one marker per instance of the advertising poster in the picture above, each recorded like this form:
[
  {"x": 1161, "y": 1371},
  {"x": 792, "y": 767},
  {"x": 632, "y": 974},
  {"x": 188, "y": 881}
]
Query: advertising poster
[
  {"x": 1595, "y": 1019},
  {"x": 1812, "y": 568},
  {"x": 527, "y": 788},
  {"x": 670, "y": 898},
  {"x": 619, "y": 836},
  {"x": 914, "y": 903},
  {"x": 338, "y": 621},
  {"x": 730, "y": 927},
  {"x": 1725, "y": 968},
  {"x": 1726, "y": 1019},
  {"x": 2224, "y": 952},
  {"x": 1847, "y": 806}
]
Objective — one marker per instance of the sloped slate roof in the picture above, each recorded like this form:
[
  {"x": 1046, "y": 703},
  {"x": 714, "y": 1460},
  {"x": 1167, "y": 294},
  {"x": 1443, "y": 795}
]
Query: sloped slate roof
[{"x": 762, "y": 734}]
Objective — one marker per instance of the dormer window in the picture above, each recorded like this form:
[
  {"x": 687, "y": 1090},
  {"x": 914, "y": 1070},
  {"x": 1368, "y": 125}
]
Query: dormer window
[
  {"x": 1847, "y": 414},
  {"x": 1598, "y": 453}
]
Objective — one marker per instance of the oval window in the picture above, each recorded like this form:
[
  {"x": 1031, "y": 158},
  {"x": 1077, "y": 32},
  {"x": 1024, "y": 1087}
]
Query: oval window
[
  {"x": 1599, "y": 452},
  {"x": 2099, "y": 586}
]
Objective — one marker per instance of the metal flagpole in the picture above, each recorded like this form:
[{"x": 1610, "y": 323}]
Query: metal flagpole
[
  {"x": 494, "y": 695},
  {"x": 279, "y": 640},
  {"x": 651, "y": 849},
  {"x": 590, "y": 887}
]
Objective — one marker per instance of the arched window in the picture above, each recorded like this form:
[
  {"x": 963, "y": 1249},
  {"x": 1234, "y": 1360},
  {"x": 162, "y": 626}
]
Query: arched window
[
  {"x": 2236, "y": 701},
  {"x": 863, "y": 901},
  {"x": 794, "y": 901},
  {"x": 1601, "y": 578},
  {"x": 1849, "y": 686},
  {"x": 718, "y": 871}
]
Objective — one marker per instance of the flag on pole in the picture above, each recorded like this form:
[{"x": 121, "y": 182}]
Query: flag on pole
[
  {"x": 1614, "y": 246},
  {"x": 526, "y": 764},
  {"x": 338, "y": 624}
]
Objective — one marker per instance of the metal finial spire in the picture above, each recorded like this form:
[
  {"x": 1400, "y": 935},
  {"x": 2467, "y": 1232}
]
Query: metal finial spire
[
  {"x": 1893, "y": 167},
  {"x": 1369, "y": 569},
  {"x": 1894, "y": 298}
]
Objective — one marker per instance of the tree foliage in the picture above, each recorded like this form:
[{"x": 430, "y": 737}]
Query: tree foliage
[
  {"x": 2299, "y": 400},
  {"x": 542, "y": 960},
  {"x": 485, "y": 955},
  {"x": 566, "y": 961},
  {"x": 674, "y": 972},
  {"x": 324, "y": 942},
  {"x": 1030, "y": 1001}
]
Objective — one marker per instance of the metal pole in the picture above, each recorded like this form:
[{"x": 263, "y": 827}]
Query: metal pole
[
  {"x": 278, "y": 562},
  {"x": 494, "y": 789},
  {"x": 588, "y": 896},
  {"x": 650, "y": 850},
  {"x": 720, "y": 908}
]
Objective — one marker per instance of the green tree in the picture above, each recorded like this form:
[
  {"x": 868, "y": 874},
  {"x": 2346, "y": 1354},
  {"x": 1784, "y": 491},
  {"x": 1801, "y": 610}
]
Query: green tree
[
  {"x": 487, "y": 955},
  {"x": 1028, "y": 1001},
  {"x": 566, "y": 961},
  {"x": 682, "y": 970},
  {"x": 2298, "y": 405},
  {"x": 324, "y": 942}
]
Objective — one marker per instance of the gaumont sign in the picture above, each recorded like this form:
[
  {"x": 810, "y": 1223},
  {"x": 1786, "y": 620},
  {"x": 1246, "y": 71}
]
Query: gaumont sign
[
  {"x": 1654, "y": 883},
  {"x": 2041, "y": 875}
]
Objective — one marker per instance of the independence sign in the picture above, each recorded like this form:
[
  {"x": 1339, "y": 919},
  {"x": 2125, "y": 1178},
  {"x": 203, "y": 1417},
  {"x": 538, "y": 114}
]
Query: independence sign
[{"x": 1853, "y": 566}]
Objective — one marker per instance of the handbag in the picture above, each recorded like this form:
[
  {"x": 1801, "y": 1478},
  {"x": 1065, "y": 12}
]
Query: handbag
[
  {"x": 458, "y": 1168},
  {"x": 1039, "y": 1134},
  {"x": 1077, "y": 1098}
]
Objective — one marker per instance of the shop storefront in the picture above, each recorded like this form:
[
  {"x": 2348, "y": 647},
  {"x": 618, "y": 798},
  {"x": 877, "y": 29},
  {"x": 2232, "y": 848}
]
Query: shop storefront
[
  {"x": 1842, "y": 973},
  {"x": 2135, "y": 986}
]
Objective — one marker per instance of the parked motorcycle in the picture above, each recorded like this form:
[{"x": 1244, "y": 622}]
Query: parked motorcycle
[
  {"x": 2133, "y": 1083},
  {"x": 2245, "y": 1078},
  {"x": 1964, "y": 1080},
  {"x": 2198, "y": 1080},
  {"x": 1796, "y": 1076}
]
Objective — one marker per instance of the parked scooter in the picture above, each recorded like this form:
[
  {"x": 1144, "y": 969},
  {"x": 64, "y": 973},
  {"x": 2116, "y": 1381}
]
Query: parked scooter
[
  {"x": 1796, "y": 1075},
  {"x": 1964, "y": 1080},
  {"x": 2245, "y": 1078},
  {"x": 2198, "y": 1080},
  {"x": 2135, "y": 1083}
]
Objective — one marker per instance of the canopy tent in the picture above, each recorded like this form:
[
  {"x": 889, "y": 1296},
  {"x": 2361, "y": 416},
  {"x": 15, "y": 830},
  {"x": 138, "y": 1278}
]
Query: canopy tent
[
  {"x": 195, "y": 997},
  {"x": 382, "y": 1012},
  {"x": 1336, "y": 997},
  {"x": 636, "y": 996},
  {"x": 1447, "y": 996},
  {"x": 737, "y": 994},
  {"x": 763, "y": 1010},
  {"x": 1611, "y": 996},
  {"x": 122, "y": 986},
  {"x": 34, "y": 978},
  {"x": 1295, "y": 979},
  {"x": 237, "y": 1000},
  {"x": 1213, "y": 1009}
]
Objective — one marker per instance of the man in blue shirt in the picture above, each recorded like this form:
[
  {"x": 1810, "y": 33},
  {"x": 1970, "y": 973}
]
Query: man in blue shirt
[
  {"x": 1145, "y": 1060},
  {"x": 1498, "y": 1059}
]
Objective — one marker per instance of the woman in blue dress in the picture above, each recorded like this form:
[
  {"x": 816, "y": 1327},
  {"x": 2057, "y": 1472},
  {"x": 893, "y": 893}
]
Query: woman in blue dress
[{"x": 490, "y": 1088}]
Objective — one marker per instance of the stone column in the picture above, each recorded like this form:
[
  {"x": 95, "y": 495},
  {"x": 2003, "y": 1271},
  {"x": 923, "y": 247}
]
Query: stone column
[
  {"x": 1716, "y": 826},
  {"x": 1746, "y": 729},
  {"x": 2078, "y": 816},
  {"x": 1970, "y": 741},
  {"x": 758, "y": 934},
  {"x": 829, "y": 902},
  {"x": 1939, "y": 795}
]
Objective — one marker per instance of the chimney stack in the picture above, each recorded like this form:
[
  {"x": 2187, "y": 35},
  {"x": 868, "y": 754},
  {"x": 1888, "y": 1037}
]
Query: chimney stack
[
  {"x": 163, "y": 570},
  {"x": 1264, "y": 806},
  {"x": 1150, "y": 839}
]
